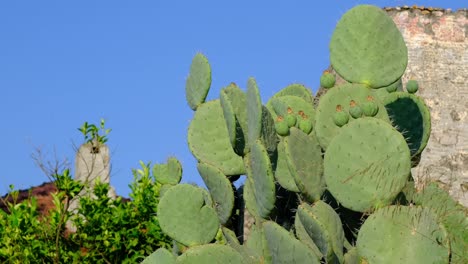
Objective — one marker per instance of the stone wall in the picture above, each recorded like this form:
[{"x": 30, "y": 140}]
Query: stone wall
[{"x": 438, "y": 58}]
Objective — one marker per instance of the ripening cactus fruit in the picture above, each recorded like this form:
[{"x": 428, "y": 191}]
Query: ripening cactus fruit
[
  {"x": 370, "y": 108},
  {"x": 291, "y": 118},
  {"x": 412, "y": 86},
  {"x": 281, "y": 126},
  {"x": 305, "y": 124},
  {"x": 354, "y": 110},
  {"x": 327, "y": 80},
  {"x": 340, "y": 118}
]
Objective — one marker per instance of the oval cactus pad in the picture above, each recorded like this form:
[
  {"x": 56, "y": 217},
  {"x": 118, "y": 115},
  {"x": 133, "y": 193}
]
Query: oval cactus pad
[
  {"x": 367, "y": 47},
  {"x": 212, "y": 253},
  {"x": 402, "y": 234},
  {"x": 343, "y": 95},
  {"x": 208, "y": 139},
  {"x": 184, "y": 215},
  {"x": 198, "y": 82},
  {"x": 367, "y": 164}
]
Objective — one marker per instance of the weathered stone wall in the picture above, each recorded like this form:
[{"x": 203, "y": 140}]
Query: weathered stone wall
[{"x": 438, "y": 58}]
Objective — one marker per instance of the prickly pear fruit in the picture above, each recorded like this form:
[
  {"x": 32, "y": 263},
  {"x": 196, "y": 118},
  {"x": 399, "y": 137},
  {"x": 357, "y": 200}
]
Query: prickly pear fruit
[
  {"x": 340, "y": 118},
  {"x": 355, "y": 110},
  {"x": 281, "y": 126},
  {"x": 412, "y": 86},
  {"x": 394, "y": 86},
  {"x": 370, "y": 108},
  {"x": 327, "y": 80},
  {"x": 305, "y": 124},
  {"x": 291, "y": 117}
]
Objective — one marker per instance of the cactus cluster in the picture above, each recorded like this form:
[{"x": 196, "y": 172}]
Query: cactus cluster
[{"x": 325, "y": 184}]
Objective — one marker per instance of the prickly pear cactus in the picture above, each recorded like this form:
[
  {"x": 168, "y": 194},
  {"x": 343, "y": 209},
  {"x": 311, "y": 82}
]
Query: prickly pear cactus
[{"x": 325, "y": 184}]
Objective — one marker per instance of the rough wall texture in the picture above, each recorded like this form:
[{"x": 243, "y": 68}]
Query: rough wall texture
[{"x": 438, "y": 58}]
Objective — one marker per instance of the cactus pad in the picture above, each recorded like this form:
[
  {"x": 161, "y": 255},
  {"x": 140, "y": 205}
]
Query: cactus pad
[
  {"x": 208, "y": 139},
  {"x": 410, "y": 116},
  {"x": 325, "y": 128},
  {"x": 282, "y": 173},
  {"x": 305, "y": 163},
  {"x": 367, "y": 164},
  {"x": 238, "y": 101},
  {"x": 212, "y": 253},
  {"x": 220, "y": 189},
  {"x": 198, "y": 82},
  {"x": 280, "y": 105},
  {"x": 254, "y": 108},
  {"x": 401, "y": 234},
  {"x": 285, "y": 248},
  {"x": 451, "y": 214},
  {"x": 297, "y": 90},
  {"x": 323, "y": 225},
  {"x": 260, "y": 176},
  {"x": 184, "y": 215},
  {"x": 169, "y": 173},
  {"x": 367, "y": 47},
  {"x": 160, "y": 256}
]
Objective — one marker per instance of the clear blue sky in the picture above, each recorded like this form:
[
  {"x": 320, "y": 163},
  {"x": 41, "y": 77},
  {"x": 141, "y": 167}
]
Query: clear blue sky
[{"x": 66, "y": 62}]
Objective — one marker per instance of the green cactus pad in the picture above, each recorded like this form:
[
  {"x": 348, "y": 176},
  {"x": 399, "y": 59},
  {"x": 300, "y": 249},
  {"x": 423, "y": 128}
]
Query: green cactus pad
[
  {"x": 164, "y": 188},
  {"x": 257, "y": 243},
  {"x": 208, "y": 139},
  {"x": 305, "y": 163},
  {"x": 352, "y": 257},
  {"x": 304, "y": 237},
  {"x": 230, "y": 236},
  {"x": 282, "y": 173},
  {"x": 184, "y": 216},
  {"x": 238, "y": 100},
  {"x": 260, "y": 176},
  {"x": 280, "y": 105},
  {"x": 268, "y": 132},
  {"x": 160, "y": 256},
  {"x": 367, "y": 47},
  {"x": 367, "y": 164},
  {"x": 220, "y": 189},
  {"x": 410, "y": 116},
  {"x": 169, "y": 173},
  {"x": 198, "y": 82},
  {"x": 401, "y": 234},
  {"x": 325, "y": 128},
  {"x": 285, "y": 248},
  {"x": 297, "y": 90},
  {"x": 254, "y": 110},
  {"x": 323, "y": 225},
  {"x": 451, "y": 214},
  {"x": 231, "y": 122},
  {"x": 327, "y": 80},
  {"x": 211, "y": 253}
]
